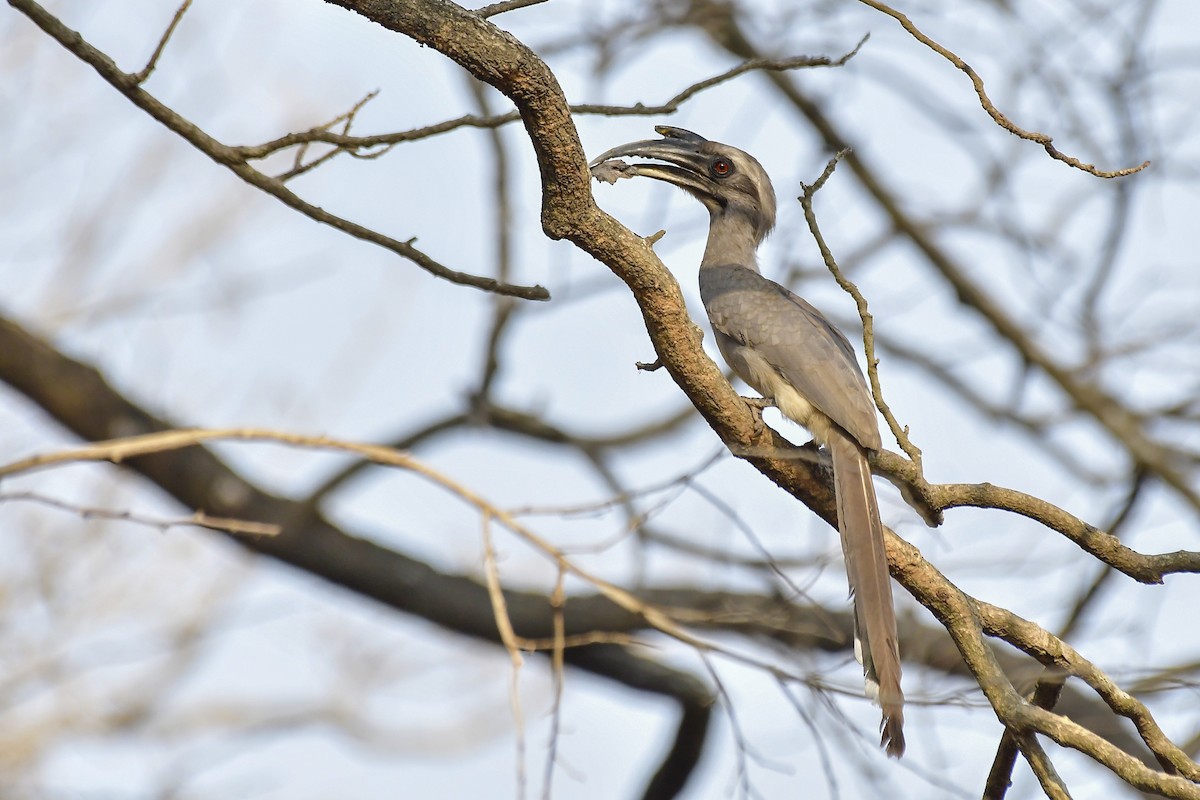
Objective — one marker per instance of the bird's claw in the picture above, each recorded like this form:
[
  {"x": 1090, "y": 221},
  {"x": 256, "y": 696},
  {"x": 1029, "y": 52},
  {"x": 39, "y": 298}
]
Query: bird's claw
[{"x": 757, "y": 404}]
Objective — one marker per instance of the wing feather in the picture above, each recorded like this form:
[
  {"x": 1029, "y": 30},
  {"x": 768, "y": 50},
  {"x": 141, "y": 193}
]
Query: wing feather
[{"x": 815, "y": 358}]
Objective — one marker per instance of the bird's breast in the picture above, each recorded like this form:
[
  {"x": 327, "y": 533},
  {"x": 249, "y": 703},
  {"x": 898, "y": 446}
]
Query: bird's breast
[{"x": 758, "y": 373}]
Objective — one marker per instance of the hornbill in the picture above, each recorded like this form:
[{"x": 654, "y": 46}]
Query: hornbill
[{"x": 790, "y": 353}]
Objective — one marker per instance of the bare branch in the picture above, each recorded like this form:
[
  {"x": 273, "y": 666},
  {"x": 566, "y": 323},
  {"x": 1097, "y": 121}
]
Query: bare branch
[
  {"x": 1051, "y": 651},
  {"x": 1148, "y": 569},
  {"x": 486, "y": 413},
  {"x": 1001, "y": 120},
  {"x": 506, "y": 6},
  {"x": 230, "y": 158},
  {"x": 344, "y": 141},
  {"x": 144, "y": 73},
  {"x": 117, "y": 451},
  {"x": 1045, "y": 695},
  {"x": 509, "y": 639},
  {"x": 754, "y": 64},
  {"x": 968, "y": 619},
  {"x": 558, "y": 601},
  {"x": 236, "y": 527},
  {"x": 864, "y": 313},
  {"x": 198, "y": 479}
]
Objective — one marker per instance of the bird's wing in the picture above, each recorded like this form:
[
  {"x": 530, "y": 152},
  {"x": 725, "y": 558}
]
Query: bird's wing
[{"x": 807, "y": 351}]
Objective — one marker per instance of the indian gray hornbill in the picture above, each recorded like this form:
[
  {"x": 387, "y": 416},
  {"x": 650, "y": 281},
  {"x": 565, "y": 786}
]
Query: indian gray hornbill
[{"x": 791, "y": 354}]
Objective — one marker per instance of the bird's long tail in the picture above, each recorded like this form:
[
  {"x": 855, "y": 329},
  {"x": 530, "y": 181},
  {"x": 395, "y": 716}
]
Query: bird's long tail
[{"x": 876, "y": 643}]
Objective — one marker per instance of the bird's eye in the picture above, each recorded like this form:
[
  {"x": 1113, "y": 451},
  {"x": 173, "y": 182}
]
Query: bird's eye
[{"x": 721, "y": 167}]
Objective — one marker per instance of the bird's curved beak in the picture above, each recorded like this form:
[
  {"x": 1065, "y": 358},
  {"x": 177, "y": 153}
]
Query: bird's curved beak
[{"x": 685, "y": 166}]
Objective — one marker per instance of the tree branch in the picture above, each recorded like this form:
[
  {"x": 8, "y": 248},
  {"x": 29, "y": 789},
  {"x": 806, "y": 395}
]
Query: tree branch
[
  {"x": 343, "y": 141},
  {"x": 988, "y": 106},
  {"x": 78, "y": 397},
  {"x": 229, "y": 157}
]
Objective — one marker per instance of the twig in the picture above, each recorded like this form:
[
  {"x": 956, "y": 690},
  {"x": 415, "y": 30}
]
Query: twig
[
  {"x": 486, "y": 121},
  {"x": 735, "y": 728},
  {"x": 1045, "y": 695},
  {"x": 818, "y": 740},
  {"x": 144, "y": 73},
  {"x": 299, "y": 167},
  {"x": 503, "y": 308},
  {"x": 409, "y": 441},
  {"x": 1052, "y": 652},
  {"x": 748, "y": 533},
  {"x": 237, "y": 527},
  {"x": 232, "y": 159},
  {"x": 1087, "y": 598},
  {"x": 991, "y": 408},
  {"x": 864, "y": 313},
  {"x": 510, "y": 420},
  {"x": 1000, "y": 119},
  {"x": 507, "y": 5},
  {"x": 120, "y": 450},
  {"x": 509, "y": 639},
  {"x": 751, "y": 65},
  {"x": 558, "y": 602}
]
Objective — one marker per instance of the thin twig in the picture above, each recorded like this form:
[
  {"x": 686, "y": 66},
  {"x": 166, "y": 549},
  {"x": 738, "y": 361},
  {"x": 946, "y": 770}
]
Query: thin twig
[
  {"x": 507, "y": 5},
  {"x": 1088, "y": 597},
  {"x": 558, "y": 602},
  {"x": 486, "y": 121},
  {"x": 509, "y": 639},
  {"x": 739, "y": 740},
  {"x": 751, "y": 65},
  {"x": 1000, "y": 119},
  {"x": 237, "y": 527},
  {"x": 1045, "y": 695},
  {"x": 300, "y": 167},
  {"x": 120, "y": 450},
  {"x": 144, "y": 73},
  {"x": 503, "y": 308},
  {"x": 232, "y": 159},
  {"x": 864, "y": 313},
  {"x": 818, "y": 739}
]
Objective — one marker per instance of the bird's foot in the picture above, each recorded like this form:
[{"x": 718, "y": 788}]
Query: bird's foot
[{"x": 757, "y": 404}]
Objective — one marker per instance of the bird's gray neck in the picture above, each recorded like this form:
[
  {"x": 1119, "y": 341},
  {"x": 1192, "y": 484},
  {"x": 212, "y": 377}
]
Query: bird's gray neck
[{"x": 731, "y": 241}]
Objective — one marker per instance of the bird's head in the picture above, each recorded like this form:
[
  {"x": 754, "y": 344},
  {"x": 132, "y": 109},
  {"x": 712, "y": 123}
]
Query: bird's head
[{"x": 729, "y": 182}]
